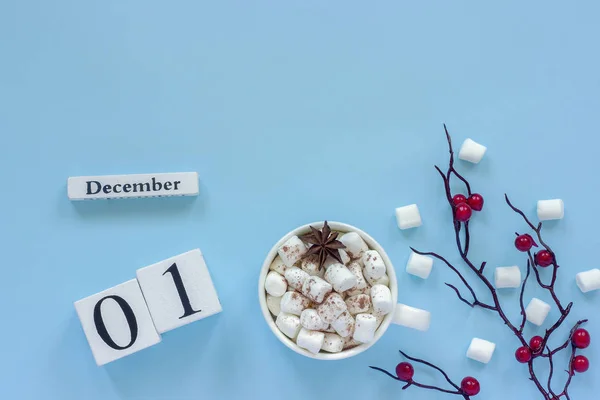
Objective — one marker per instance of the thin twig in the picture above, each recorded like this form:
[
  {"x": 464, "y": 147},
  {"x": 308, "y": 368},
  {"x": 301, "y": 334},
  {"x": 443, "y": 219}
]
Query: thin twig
[{"x": 521, "y": 303}]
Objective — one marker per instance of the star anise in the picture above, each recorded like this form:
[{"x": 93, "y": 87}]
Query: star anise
[{"x": 324, "y": 244}]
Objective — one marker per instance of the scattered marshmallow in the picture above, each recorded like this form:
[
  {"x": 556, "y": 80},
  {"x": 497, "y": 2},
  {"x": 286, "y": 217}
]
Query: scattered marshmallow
[
  {"x": 295, "y": 277},
  {"x": 408, "y": 217},
  {"x": 588, "y": 280},
  {"x": 340, "y": 277},
  {"x": 355, "y": 245},
  {"x": 381, "y": 298},
  {"x": 384, "y": 280},
  {"x": 310, "y": 340},
  {"x": 481, "y": 350},
  {"x": 361, "y": 283},
  {"x": 365, "y": 327},
  {"x": 507, "y": 277},
  {"x": 374, "y": 265},
  {"x": 274, "y": 304},
  {"x": 294, "y": 303},
  {"x": 316, "y": 288},
  {"x": 550, "y": 209},
  {"x": 419, "y": 265},
  {"x": 359, "y": 304},
  {"x": 412, "y": 317},
  {"x": 471, "y": 151},
  {"x": 310, "y": 319},
  {"x": 288, "y": 324},
  {"x": 278, "y": 266},
  {"x": 344, "y": 324},
  {"x": 332, "y": 307},
  {"x": 292, "y": 251},
  {"x": 333, "y": 343},
  {"x": 310, "y": 265},
  {"x": 275, "y": 284},
  {"x": 537, "y": 311}
]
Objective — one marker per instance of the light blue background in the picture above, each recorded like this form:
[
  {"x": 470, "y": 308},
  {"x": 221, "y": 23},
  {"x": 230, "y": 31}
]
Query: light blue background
[{"x": 291, "y": 112}]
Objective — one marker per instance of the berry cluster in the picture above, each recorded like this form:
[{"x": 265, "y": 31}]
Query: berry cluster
[{"x": 464, "y": 207}]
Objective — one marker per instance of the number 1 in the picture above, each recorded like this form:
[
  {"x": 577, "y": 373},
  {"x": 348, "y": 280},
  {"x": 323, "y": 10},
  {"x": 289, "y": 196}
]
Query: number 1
[{"x": 185, "y": 300}]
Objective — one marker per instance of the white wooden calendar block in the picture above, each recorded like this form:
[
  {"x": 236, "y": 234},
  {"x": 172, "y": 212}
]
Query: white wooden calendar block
[
  {"x": 178, "y": 291},
  {"x": 117, "y": 322},
  {"x": 134, "y": 185}
]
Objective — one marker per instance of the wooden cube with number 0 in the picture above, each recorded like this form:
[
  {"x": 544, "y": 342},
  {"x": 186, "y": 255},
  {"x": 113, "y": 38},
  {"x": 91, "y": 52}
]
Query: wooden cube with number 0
[
  {"x": 178, "y": 291},
  {"x": 117, "y": 322}
]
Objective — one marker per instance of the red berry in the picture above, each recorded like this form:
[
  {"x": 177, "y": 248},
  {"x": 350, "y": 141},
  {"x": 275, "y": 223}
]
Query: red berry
[
  {"x": 405, "y": 371},
  {"x": 581, "y": 338},
  {"x": 535, "y": 344},
  {"x": 470, "y": 386},
  {"x": 580, "y": 364},
  {"x": 524, "y": 242},
  {"x": 463, "y": 212},
  {"x": 476, "y": 201},
  {"x": 459, "y": 199},
  {"x": 544, "y": 258},
  {"x": 523, "y": 354}
]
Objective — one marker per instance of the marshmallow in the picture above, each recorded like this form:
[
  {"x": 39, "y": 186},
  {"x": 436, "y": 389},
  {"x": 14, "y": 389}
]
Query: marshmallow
[
  {"x": 412, "y": 317},
  {"x": 340, "y": 277},
  {"x": 550, "y": 209},
  {"x": 374, "y": 265},
  {"x": 275, "y": 284},
  {"x": 278, "y": 266},
  {"x": 507, "y": 277},
  {"x": 343, "y": 256},
  {"x": 288, "y": 324},
  {"x": 359, "y": 304},
  {"x": 310, "y": 265},
  {"x": 365, "y": 327},
  {"x": 381, "y": 298},
  {"x": 331, "y": 308},
  {"x": 333, "y": 343},
  {"x": 294, "y": 303},
  {"x": 274, "y": 304},
  {"x": 419, "y": 265},
  {"x": 344, "y": 324},
  {"x": 408, "y": 217},
  {"x": 355, "y": 245},
  {"x": 316, "y": 288},
  {"x": 310, "y": 340},
  {"x": 384, "y": 280},
  {"x": 292, "y": 251},
  {"x": 537, "y": 311},
  {"x": 471, "y": 151},
  {"x": 380, "y": 319},
  {"x": 329, "y": 329},
  {"x": 295, "y": 277},
  {"x": 361, "y": 283},
  {"x": 588, "y": 280},
  {"x": 481, "y": 350},
  {"x": 349, "y": 342},
  {"x": 310, "y": 319}
]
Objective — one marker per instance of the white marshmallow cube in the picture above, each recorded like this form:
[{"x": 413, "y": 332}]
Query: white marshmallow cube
[
  {"x": 364, "y": 330},
  {"x": 550, "y": 209},
  {"x": 349, "y": 342},
  {"x": 374, "y": 265},
  {"x": 343, "y": 256},
  {"x": 419, "y": 265},
  {"x": 412, "y": 317},
  {"x": 381, "y": 298},
  {"x": 294, "y": 303},
  {"x": 361, "y": 283},
  {"x": 340, "y": 277},
  {"x": 507, "y": 277},
  {"x": 332, "y": 343},
  {"x": 274, "y": 304},
  {"x": 471, "y": 151},
  {"x": 292, "y": 251},
  {"x": 588, "y": 280},
  {"x": 275, "y": 284},
  {"x": 316, "y": 288},
  {"x": 310, "y": 265},
  {"x": 344, "y": 324},
  {"x": 481, "y": 350},
  {"x": 537, "y": 311},
  {"x": 278, "y": 266},
  {"x": 408, "y": 217},
  {"x": 384, "y": 280},
  {"x": 331, "y": 308},
  {"x": 311, "y": 320},
  {"x": 295, "y": 277},
  {"x": 288, "y": 324},
  {"x": 355, "y": 245},
  {"x": 358, "y": 304},
  {"x": 310, "y": 340}
]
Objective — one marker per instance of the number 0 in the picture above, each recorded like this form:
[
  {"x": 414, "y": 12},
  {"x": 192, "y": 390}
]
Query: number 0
[
  {"x": 185, "y": 300},
  {"x": 129, "y": 315}
]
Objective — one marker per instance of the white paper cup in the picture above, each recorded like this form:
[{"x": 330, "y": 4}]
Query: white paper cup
[{"x": 335, "y": 226}]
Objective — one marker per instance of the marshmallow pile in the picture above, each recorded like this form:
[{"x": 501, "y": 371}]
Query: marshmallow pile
[{"x": 334, "y": 307}]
